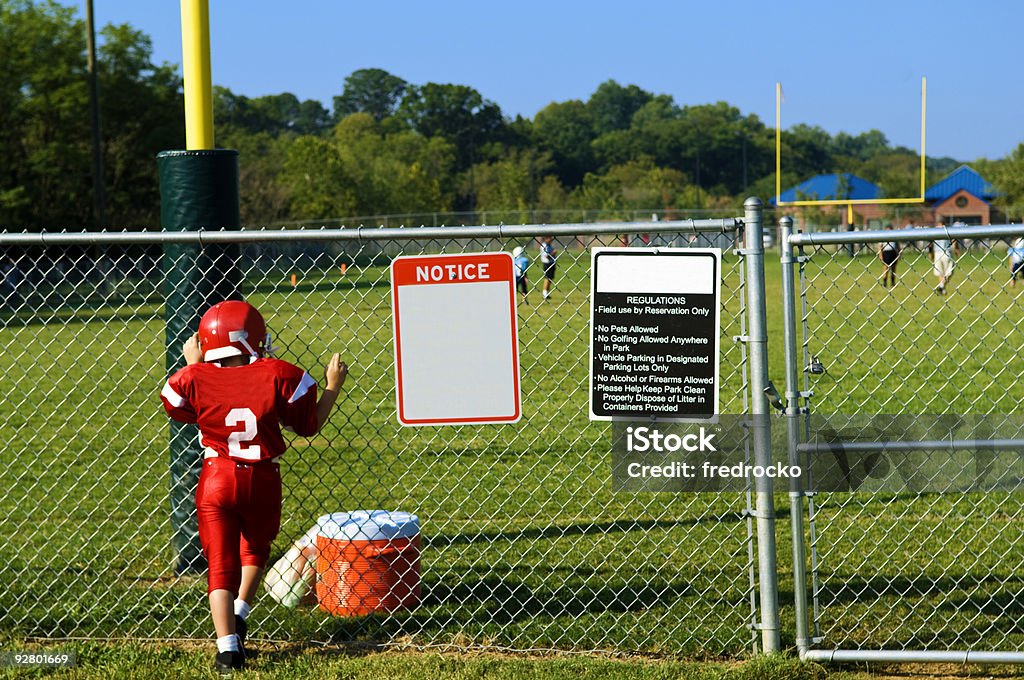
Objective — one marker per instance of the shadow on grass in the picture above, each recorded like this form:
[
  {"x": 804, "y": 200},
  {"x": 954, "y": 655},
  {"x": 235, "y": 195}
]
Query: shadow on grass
[
  {"x": 497, "y": 603},
  {"x": 589, "y": 607},
  {"x": 509, "y": 600},
  {"x": 855, "y": 589},
  {"x": 582, "y": 529},
  {"x": 66, "y": 317},
  {"x": 67, "y": 312},
  {"x": 321, "y": 286},
  {"x": 947, "y": 612}
]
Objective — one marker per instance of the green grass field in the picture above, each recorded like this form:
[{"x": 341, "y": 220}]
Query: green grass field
[
  {"x": 525, "y": 546},
  {"x": 140, "y": 661}
]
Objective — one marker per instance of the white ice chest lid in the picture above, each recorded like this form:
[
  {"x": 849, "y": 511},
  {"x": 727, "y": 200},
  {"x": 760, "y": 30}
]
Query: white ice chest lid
[{"x": 368, "y": 525}]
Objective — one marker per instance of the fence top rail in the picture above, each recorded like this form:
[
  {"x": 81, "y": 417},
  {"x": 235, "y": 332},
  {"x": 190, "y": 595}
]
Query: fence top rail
[
  {"x": 915, "y": 234},
  {"x": 922, "y": 445},
  {"x": 203, "y": 237}
]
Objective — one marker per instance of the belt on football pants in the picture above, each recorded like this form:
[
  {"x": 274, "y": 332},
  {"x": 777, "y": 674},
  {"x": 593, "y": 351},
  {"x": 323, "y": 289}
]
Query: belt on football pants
[{"x": 210, "y": 453}]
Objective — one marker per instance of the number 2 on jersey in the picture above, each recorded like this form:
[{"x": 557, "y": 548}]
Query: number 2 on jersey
[{"x": 236, "y": 439}]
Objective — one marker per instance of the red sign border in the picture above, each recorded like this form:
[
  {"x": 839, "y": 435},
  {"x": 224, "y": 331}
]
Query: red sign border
[{"x": 396, "y": 325}]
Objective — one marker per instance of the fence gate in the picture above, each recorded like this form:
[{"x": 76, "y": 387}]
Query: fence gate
[
  {"x": 525, "y": 545},
  {"x": 912, "y": 391}
]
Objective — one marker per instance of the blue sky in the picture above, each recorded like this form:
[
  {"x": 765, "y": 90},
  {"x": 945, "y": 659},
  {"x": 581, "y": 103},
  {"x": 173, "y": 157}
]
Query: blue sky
[{"x": 843, "y": 66}]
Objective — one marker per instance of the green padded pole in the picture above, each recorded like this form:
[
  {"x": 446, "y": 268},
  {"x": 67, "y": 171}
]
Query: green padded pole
[{"x": 198, "y": 190}]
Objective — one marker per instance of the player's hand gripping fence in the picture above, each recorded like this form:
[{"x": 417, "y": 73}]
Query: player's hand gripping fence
[{"x": 525, "y": 546}]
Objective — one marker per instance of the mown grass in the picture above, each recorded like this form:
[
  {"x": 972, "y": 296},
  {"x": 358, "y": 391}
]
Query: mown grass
[
  {"x": 525, "y": 545},
  {"x": 140, "y": 660},
  {"x": 173, "y": 660}
]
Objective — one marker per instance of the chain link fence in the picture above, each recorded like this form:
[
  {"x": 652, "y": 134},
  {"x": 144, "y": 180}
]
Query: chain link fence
[
  {"x": 524, "y": 545},
  {"x": 523, "y": 216},
  {"x": 931, "y": 569}
]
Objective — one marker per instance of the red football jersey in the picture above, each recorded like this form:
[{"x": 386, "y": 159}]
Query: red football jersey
[{"x": 240, "y": 409}]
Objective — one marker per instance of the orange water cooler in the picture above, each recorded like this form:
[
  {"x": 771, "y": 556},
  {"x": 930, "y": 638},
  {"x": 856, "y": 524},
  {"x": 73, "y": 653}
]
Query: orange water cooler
[{"x": 368, "y": 561}]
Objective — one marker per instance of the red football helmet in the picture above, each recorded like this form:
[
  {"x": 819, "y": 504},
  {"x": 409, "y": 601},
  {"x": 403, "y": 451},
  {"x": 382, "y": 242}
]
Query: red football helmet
[{"x": 232, "y": 328}]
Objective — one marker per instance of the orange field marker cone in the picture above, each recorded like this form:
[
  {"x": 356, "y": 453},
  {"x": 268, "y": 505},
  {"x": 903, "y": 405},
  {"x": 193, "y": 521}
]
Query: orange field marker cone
[
  {"x": 344, "y": 268},
  {"x": 295, "y": 280}
]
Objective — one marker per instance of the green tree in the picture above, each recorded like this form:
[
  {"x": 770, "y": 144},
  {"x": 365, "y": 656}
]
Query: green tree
[
  {"x": 805, "y": 150},
  {"x": 722, "y": 137},
  {"x": 713, "y": 144},
  {"x": 1008, "y": 177},
  {"x": 459, "y": 114},
  {"x": 318, "y": 181},
  {"x": 612, "y": 106},
  {"x": 142, "y": 109},
  {"x": 288, "y": 113},
  {"x": 861, "y": 147},
  {"x": 552, "y": 200},
  {"x": 275, "y": 114},
  {"x": 512, "y": 183},
  {"x": 898, "y": 174},
  {"x": 566, "y": 130},
  {"x": 370, "y": 90},
  {"x": 362, "y": 170},
  {"x": 658, "y": 130},
  {"x": 636, "y": 185},
  {"x": 45, "y": 180},
  {"x": 45, "y": 176},
  {"x": 264, "y": 198}
]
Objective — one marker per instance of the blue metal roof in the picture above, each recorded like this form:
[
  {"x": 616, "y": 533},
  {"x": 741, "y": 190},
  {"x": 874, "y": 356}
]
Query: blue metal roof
[
  {"x": 827, "y": 187},
  {"x": 962, "y": 178}
]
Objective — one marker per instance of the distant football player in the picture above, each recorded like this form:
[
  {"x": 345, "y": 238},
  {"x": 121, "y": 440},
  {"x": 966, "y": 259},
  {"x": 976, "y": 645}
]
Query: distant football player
[
  {"x": 240, "y": 397},
  {"x": 1016, "y": 253},
  {"x": 548, "y": 253},
  {"x": 942, "y": 255},
  {"x": 520, "y": 263},
  {"x": 889, "y": 254}
]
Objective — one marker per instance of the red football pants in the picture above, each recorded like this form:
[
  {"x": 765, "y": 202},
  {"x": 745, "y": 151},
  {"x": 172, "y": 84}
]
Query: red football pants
[{"x": 239, "y": 509}]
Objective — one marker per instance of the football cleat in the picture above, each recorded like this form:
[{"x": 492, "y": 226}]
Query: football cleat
[{"x": 229, "y": 662}]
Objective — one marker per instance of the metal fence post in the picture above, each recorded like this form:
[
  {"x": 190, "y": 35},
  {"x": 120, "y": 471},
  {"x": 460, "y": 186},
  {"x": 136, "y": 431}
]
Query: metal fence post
[
  {"x": 793, "y": 413},
  {"x": 757, "y": 330}
]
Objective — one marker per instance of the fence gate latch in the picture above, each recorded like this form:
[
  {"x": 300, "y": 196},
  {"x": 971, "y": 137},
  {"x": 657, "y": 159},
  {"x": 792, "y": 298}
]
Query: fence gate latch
[{"x": 773, "y": 396}]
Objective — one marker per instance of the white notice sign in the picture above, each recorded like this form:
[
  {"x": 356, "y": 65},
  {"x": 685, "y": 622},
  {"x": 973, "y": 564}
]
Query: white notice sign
[{"x": 456, "y": 339}]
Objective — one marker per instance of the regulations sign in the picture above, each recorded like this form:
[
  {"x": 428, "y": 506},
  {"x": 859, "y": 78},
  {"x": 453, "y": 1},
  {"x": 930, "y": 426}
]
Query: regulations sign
[
  {"x": 456, "y": 339},
  {"x": 654, "y": 333}
]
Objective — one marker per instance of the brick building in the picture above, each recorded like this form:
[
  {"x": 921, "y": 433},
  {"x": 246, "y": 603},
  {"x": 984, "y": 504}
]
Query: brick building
[{"x": 961, "y": 196}]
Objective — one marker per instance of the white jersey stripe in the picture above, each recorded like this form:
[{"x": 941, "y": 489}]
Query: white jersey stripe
[
  {"x": 304, "y": 385},
  {"x": 168, "y": 393}
]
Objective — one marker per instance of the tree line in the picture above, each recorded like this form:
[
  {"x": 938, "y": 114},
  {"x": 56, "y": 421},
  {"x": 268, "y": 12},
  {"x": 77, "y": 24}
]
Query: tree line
[{"x": 388, "y": 146}]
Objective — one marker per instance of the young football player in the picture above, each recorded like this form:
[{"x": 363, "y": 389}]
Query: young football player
[
  {"x": 548, "y": 253},
  {"x": 240, "y": 397},
  {"x": 520, "y": 263}
]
